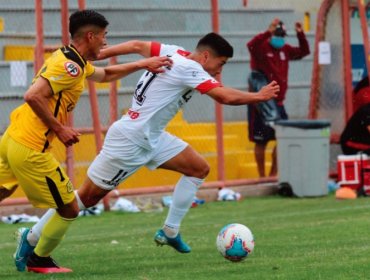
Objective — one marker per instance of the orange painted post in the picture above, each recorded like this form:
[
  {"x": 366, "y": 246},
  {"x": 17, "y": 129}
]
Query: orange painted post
[
  {"x": 347, "y": 60},
  {"x": 39, "y": 49},
  {"x": 94, "y": 104},
  {"x": 113, "y": 96},
  {"x": 316, "y": 69},
  {"x": 218, "y": 106},
  {"x": 365, "y": 33},
  {"x": 64, "y": 19},
  {"x": 81, "y": 4},
  {"x": 95, "y": 114},
  {"x": 65, "y": 41}
]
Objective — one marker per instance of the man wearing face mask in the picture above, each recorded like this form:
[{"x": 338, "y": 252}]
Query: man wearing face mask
[{"x": 270, "y": 56}]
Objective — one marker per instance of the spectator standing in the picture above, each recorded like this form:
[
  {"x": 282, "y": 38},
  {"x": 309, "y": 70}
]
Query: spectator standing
[
  {"x": 356, "y": 135},
  {"x": 270, "y": 56}
]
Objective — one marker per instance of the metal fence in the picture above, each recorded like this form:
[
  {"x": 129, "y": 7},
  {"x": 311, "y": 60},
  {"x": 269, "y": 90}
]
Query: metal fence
[{"x": 219, "y": 133}]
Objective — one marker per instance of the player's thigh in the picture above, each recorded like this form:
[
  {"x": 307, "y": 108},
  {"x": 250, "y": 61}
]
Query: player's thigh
[
  {"x": 176, "y": 155},
  {"x": 8, "y": 181},
  {"x": 107, "y": 171},
  {"x": 258, "y": 131},
  {"x": 41, "y": 177}
]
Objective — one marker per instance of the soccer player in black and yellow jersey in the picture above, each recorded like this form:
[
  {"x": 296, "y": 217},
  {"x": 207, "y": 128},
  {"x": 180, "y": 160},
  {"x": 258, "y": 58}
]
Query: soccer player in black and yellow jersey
[{"x": 24, "y": 148}]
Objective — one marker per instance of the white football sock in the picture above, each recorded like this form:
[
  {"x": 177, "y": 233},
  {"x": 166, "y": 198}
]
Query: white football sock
[
  {"x": 182, "y": 199},
  {"x": 79, "y": 202},
  {"x": 33, "y": 235}
]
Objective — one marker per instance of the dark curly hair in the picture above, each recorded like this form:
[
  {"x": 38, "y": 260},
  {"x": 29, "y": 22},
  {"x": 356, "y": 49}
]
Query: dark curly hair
[
  {"x": 83, "y": 18},
  {"x": 216, "y": 43}
]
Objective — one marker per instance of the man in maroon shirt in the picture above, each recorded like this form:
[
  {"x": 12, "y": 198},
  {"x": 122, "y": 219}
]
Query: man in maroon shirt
[{"x": 270, "y": 57}]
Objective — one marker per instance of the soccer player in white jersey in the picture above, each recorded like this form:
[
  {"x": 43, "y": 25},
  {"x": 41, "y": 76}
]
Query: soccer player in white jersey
[{"x": 139, "y": 139}]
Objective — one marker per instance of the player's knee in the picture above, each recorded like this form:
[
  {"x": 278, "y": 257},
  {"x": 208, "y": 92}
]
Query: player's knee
[
  {"x": 90, "y": 194},
  {"x": 69, "y": 211},
  {"x": 90, "y": 201},
  {"x": 206, "y": 170},
  {"x": 203, "y": 171},
  {"x": 4, "y": 193}
]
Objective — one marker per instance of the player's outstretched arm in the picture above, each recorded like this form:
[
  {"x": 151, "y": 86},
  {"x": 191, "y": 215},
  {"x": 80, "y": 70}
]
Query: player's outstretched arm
[
  {"x": 129, "y": 47},
  {"x": 231, "y": 96},
  {"x": 37, "y": 98},
  {"x": 111, "y": 73}
]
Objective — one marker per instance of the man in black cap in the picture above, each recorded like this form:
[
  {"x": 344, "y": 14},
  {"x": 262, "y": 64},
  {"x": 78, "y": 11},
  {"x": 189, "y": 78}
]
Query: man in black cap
[{"x": 270, "y": 57}]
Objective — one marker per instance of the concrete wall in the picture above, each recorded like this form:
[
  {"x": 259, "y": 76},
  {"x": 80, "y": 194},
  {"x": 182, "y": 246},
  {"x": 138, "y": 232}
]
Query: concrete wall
[{"x": 169, "y": 22}]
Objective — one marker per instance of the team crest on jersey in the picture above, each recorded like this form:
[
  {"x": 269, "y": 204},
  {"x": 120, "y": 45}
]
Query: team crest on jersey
[
  {"x": 69, "y": 187},
  {"x": 70, "y": 107},
  {"x": 133, "y": 114},
  {"x": 282, "y": 56},
  {"x": 72, "y": 69}
]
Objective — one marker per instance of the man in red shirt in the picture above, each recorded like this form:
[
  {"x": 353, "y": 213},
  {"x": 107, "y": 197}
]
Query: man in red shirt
[{"x": 270, "y": 57}]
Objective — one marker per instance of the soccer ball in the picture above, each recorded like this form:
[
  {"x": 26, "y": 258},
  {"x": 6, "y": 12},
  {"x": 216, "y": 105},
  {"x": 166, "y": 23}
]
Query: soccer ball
[{"x": 235, "y": 242}]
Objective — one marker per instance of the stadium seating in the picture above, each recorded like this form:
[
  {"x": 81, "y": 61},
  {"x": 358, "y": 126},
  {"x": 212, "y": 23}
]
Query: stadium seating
[{"x": 179, "y": 24}]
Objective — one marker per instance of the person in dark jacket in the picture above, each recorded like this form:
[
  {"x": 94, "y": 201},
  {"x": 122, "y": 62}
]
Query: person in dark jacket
[
  {"x": 355, "y": 137},
  {"x": 270, "y": 56}
]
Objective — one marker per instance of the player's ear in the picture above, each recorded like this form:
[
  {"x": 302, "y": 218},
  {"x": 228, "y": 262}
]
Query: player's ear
[
  {"x": 206, "y": 56},
  {"x": 89, "y": 35}
]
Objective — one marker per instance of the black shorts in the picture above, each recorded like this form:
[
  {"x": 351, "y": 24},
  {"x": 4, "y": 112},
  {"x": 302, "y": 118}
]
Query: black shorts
[
  {"x": 258, "y": 116},
  {"x": 259, "y": 131}
]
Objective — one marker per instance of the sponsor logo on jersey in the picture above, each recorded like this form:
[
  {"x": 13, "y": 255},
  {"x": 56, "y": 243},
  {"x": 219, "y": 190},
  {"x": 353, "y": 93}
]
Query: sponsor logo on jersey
[
  {"x": 57, "y": 78},
  {"x": 133, "y": 114},
  {"x": 70, "y": 107},
  {"x": 70, "y": 187},
  {"x": 282, "y": 56},
  {"x": 72, "y": 69}
]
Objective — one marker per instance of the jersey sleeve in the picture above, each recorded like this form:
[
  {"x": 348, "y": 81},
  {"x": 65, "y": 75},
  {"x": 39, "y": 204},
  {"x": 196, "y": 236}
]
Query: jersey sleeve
[
  {"x": 90, "y": 69},
  {"x": 158, "y": 49},
  {"x": 197, "y": 78},
  {"x": 62, "y": 75}
]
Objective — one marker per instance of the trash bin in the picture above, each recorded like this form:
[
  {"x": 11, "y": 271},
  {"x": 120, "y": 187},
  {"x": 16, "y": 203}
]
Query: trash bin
[{"x": 303, "y": 156}]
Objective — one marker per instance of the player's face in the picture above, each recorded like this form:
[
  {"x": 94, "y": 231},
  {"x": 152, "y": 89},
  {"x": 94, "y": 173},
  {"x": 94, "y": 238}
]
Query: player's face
[
  {"x": 97, "y": 40},
  {"x": 214, "y": 64}
]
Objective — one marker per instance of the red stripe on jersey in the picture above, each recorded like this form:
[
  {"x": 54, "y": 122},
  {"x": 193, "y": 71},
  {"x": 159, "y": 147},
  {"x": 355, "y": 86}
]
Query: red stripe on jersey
[
  {"x": 207, "y": 86},
  {"x": 155, "y": 49},
  {"x": 183, "y": 53}
]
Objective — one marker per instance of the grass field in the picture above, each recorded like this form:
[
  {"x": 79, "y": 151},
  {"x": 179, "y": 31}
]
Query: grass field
[{"x": 317, "y": 238}]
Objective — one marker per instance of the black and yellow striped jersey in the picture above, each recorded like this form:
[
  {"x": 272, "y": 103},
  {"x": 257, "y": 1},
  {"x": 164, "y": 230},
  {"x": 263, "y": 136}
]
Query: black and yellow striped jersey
[{"x": 65, "y": 70}]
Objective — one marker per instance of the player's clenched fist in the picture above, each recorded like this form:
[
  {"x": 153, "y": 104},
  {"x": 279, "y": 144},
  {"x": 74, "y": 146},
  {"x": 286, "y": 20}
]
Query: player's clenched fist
[{"x": 269, "y": 91}]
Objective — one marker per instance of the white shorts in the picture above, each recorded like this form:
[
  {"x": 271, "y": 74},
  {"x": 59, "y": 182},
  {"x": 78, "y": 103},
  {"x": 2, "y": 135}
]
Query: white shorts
[{"x": 120, "y": 157}]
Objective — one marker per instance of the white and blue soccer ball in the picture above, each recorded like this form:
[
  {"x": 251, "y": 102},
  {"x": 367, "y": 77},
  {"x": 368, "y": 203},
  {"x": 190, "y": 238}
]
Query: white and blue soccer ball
[{"x": 235, "y": 242}]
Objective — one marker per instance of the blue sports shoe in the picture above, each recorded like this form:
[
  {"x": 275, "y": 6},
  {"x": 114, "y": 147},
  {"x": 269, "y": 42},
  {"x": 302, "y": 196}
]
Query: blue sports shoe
[
  {"x": 24, "y": 249},
  {"x": 161, "y": 239}
]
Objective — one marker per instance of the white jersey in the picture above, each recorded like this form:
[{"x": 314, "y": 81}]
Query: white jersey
[{"x": 158, "y": 97}]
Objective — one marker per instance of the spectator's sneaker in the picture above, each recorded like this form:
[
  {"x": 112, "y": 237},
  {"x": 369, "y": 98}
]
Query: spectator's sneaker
[
  {"x": 24, "y": 249},
  {"x": 44, "y": 265},
  {"x": 161, "y": 239}
]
